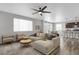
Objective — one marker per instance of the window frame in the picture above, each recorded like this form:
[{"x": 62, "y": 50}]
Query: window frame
[{"x": 20, "y": 29}]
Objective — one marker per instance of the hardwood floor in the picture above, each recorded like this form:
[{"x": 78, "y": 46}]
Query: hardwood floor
[
  {"x": 69, "y": 46},
  {"x": 66, "y": 48},
  {"x": 16, "y": 49}
]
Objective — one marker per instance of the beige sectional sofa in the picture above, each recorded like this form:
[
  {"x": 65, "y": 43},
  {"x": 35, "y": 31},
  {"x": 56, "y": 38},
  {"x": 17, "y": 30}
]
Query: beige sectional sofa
[
  {"x": 20, "y": 36},
  {"x": 46, "y": 46},
  {"x": 39, "y": 36}
]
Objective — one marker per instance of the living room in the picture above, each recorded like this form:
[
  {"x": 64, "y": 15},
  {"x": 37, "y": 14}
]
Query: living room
[{"x": 39, "y": 28}]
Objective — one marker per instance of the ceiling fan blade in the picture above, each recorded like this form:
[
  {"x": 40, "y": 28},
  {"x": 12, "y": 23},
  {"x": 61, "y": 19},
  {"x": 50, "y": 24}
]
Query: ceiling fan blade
[
  {"x": 35, "y": 9},
  {"x": 35, "y": 13},
  {"x": 44, "y": 7},
  {"x": 46, "y": 12}
]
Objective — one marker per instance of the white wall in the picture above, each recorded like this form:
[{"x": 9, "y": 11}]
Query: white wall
[{"x": 6, "y": 23}]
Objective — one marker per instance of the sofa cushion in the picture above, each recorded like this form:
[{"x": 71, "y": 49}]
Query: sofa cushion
[
  {"x": 20, "y": 36},
  {"x": 41, "y": 35},
  {"x": 34, "y": 38},
  {"x": 50, "y": 36},
  {"x": 35, "y": 34}
]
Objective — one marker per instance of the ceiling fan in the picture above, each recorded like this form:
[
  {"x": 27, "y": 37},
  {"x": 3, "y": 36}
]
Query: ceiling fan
[{"x": 41, "y": 10}]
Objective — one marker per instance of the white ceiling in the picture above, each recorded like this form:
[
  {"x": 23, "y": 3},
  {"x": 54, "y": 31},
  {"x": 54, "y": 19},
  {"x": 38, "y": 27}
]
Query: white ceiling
[{"x": 60, "y": 12}]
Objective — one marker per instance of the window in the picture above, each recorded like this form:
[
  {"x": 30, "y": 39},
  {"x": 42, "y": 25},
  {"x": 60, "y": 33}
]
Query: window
[
  {"x": 58, "y": 27},
  {"x": 22, "y": 25},
  {"x": 47, "y": 27}
]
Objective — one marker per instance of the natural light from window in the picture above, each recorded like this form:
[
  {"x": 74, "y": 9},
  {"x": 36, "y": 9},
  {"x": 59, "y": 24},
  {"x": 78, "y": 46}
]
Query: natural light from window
[
  {"x": 22, "y": 25},
  {"x": 58, "y": 27}
]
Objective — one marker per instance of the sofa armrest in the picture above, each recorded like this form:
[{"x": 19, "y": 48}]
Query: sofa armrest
[{"x": 56, "y": 40}]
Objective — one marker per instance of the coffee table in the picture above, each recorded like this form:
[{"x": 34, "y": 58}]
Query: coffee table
[{"x": 25, "y": 42}]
